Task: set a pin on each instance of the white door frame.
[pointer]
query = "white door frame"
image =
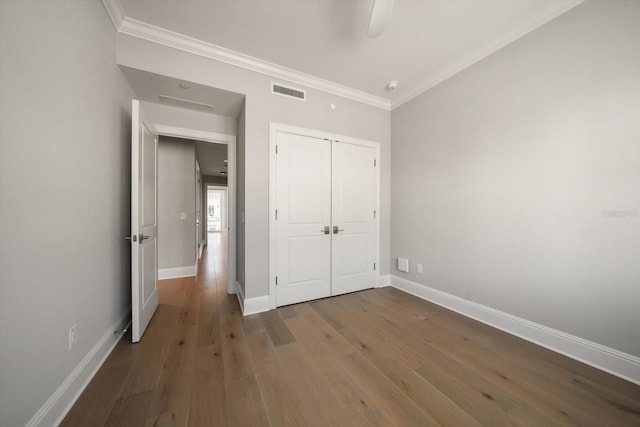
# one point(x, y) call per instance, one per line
point(230, 141)
point(199, 241)
point(274, 128)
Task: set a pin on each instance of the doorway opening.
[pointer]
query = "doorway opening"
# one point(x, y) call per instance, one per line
point(216, 164)
point(217, 212)
point(220, 124)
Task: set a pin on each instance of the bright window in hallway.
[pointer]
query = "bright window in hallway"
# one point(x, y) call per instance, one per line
point(216, 209)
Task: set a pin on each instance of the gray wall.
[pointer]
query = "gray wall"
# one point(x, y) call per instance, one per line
point(176, 194)
point(350, 118)
point(501, 174)
point(64, 194)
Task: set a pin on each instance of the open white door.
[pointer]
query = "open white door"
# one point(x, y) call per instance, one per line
point(144, 223)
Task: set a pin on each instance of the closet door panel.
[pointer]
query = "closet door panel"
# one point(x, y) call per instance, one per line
point(353, 205)
point(303, 200)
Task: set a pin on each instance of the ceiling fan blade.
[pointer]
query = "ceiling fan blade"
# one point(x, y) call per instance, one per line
point(380, 17)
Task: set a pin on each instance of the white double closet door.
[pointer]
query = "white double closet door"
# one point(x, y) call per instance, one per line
point(325, 220)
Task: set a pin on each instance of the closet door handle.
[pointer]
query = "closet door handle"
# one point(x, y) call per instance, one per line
point(336, 229)
point(326, 230)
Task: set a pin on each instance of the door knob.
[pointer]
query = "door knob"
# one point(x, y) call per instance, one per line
point(336, 229)
point(326, 230)
point(133, 238)
point(143, 237)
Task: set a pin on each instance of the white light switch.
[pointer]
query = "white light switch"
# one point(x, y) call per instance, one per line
point(419, 268)
point(183, 216)
point(403, 265)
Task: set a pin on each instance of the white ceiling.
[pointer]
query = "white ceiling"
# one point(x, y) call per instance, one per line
point(149, 86)
point(211, 158)
point(426, 41)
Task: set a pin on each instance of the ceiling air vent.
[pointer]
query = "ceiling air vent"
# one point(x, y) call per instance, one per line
point(185, 103)
point(289, 92)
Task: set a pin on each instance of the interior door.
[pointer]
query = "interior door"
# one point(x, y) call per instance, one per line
point(303, 219)
point(144, 224)
point(353, 214)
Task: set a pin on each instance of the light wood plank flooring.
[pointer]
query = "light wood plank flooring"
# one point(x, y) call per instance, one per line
point(377, 357)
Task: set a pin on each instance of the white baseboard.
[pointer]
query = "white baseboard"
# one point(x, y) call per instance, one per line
point(174, 273)
point(615, 362)
point(384, 280)
point(233, 288)
point(240, 295)
point(254, 305)
point(58, 405)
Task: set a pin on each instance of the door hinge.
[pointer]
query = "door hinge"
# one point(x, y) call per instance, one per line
point(374, 214)
point(374, 265)
point(276, 214)
point(276, 280)
point(374, 163)
point(276, 149)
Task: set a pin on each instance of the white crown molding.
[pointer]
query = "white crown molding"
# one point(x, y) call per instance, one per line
point(516, 31)
point(615, 362)
point(115, 12)
point(152, 33)
point(142, 30)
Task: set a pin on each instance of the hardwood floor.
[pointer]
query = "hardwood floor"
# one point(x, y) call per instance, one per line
point(377, 357)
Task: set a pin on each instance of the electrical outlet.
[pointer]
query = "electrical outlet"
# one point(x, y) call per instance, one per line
point(73, 336)
point(419, 268)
